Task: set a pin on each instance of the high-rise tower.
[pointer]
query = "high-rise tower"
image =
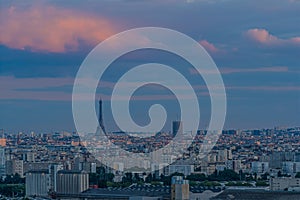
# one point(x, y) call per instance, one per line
point(100, 119)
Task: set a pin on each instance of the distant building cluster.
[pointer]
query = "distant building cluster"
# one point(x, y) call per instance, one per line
point(58, 163)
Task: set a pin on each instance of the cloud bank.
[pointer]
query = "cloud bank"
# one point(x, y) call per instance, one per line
point(51, 29)
point(229, 70)
point(209, 46)
point(264, 37)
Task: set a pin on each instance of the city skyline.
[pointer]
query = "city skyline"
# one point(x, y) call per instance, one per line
point(139, 99)
point(255, 48)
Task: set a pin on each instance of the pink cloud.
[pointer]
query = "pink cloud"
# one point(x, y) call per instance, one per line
point(260, 69)
point(263, 36)
point(245, 70)
point(265, 88)
point(51, 29)
point(295, 39)
point(209, 46)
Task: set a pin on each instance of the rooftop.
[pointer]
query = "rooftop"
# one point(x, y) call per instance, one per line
point(254, 194)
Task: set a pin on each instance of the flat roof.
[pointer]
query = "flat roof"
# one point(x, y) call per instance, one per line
point(71, 172)
point(256, 194)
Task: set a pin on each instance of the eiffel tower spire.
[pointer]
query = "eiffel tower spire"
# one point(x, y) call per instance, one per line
point(101, 125)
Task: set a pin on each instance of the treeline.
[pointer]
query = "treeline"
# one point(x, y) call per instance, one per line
point(12, 190)
point(13, 179)
point(12, 186)
point(103, 179)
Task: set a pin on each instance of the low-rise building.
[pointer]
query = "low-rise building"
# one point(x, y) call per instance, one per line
point(185, 169)
point(179, 188)
point(284, 183)
point(259, 167)
point(14, 167)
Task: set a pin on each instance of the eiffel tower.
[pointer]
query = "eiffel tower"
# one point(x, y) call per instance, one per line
point(100, 128)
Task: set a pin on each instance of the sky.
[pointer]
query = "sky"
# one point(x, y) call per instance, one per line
point(255, 44)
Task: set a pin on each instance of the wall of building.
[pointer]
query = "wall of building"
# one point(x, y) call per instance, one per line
point(72, 183)
point(284, 183)
point(37, 184)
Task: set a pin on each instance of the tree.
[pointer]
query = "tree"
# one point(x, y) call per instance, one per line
point(127, 178)
point(261, 183)
point(297, 175)
point(229, 175)
point(149, 178)
point(265, 176)
point(14, 179)
point(226, 175)
point(196, 177)
point(238, 183)
point(136, 178)
point(100, 170)
point(93, 178)
point(177, 174)
point(167, 179)
point(109, 177)
point(101, 178)
point(255, 176)
point(12, 190)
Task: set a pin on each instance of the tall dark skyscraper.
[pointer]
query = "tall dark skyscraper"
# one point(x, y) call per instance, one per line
point(100, 119)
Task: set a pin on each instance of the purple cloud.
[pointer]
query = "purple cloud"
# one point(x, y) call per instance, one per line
point(264, 37)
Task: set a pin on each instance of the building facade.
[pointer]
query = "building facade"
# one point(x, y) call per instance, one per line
point(15, 167)
point(72, 182)
point(184, 169)
point(259, 167)
point(37, 183)
point(285, 184)
point(180, 188)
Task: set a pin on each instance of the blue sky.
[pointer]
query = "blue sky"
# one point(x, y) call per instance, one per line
point(255, 44)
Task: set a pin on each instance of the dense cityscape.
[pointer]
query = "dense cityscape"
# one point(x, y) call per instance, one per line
point(265, 160)
point(150, 100)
